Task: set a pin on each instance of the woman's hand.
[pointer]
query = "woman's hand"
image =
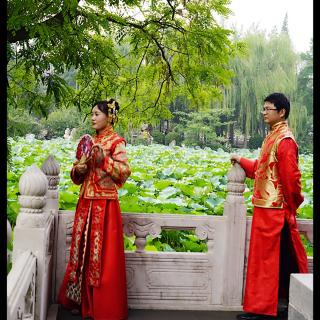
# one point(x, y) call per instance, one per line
point(235, 158)
point(97, 155)
point(81, 168)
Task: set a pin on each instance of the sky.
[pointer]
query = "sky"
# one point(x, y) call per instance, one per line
point(268, 14)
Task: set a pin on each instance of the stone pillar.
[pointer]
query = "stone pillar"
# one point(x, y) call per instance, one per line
point(235, 212)
point(34, 232)
point(51, 169)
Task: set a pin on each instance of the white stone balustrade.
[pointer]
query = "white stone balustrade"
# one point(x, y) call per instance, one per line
point(21, 286)
point(155, 280)
point(34, 232)
point(51, 169)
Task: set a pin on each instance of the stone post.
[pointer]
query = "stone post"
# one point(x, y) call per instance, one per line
point(235, 212)
point(34, 232)
point(51, 169)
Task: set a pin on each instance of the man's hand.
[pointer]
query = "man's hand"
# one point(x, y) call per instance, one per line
point(81, 168)
point(235, 158)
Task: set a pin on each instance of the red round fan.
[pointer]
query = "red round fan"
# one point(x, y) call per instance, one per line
point(84, 147)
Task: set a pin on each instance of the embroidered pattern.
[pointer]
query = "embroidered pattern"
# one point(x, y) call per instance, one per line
point(267, 187)
point(99, 185)
point(73, 290)
point(103, 181)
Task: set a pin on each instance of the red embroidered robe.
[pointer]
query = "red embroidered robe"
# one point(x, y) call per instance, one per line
point(275, 248)
point(97, 231)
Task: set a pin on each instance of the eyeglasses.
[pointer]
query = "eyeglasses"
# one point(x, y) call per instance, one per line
point(267, 109)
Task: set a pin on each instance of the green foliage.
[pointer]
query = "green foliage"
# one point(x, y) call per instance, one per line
point(147, 59)
point(9, 267)
point(9, 154)
point(177, 136)
point(158, 137)
point(270, 65)
point(205, 128)
point(307, 245)
point(305, 80)
point(20, 123)
point(178, 241)
point(58, 121)
point(255, 142)
point(163, 180)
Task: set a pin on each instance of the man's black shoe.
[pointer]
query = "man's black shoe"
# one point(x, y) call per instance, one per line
point(283, 314)
point(254, 316)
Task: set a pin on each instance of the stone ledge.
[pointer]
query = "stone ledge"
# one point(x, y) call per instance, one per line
point(301, 297)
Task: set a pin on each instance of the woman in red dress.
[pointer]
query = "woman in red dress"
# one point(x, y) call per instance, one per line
point(95, 279)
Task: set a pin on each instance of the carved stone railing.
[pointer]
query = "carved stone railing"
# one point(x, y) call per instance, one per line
point(51, 169)
point(34, 232)
point(181, 280)
point(212, 280)
point(21, 287)
point(143, 225)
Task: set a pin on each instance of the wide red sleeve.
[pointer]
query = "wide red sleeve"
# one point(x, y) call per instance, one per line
point(249, 166)
point(116, 165)
point(289, 173)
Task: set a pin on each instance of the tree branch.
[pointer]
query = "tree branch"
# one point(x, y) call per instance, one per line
point(158, 98)
point(23, 33)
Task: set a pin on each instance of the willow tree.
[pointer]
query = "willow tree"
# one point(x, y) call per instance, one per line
point(142, 52)
point(301, 117)
point(269, 66)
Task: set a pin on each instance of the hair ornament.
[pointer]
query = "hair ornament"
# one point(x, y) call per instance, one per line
point(112, 109)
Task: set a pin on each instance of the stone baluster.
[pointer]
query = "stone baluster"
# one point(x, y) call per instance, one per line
point(141, 231)
point(235, 212)
point(34, 232)
point(51, 169)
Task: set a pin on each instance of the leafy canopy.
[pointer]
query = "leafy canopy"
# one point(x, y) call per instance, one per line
point(143, 53)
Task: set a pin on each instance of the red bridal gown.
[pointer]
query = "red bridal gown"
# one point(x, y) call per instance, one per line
point(275, 248)
point(95, 279)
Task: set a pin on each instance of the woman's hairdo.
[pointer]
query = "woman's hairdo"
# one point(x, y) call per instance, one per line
point(109, 107)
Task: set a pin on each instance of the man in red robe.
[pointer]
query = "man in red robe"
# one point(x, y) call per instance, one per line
point(275, 248)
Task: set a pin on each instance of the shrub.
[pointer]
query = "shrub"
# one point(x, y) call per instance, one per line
point(255, 142)
point(173, 136)
point(158, 137)
point(58, 121)
point(21, 123)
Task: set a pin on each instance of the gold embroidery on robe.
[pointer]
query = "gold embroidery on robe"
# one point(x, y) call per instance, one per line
point(267, 186)
point(73, 290)
point(100, 183)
